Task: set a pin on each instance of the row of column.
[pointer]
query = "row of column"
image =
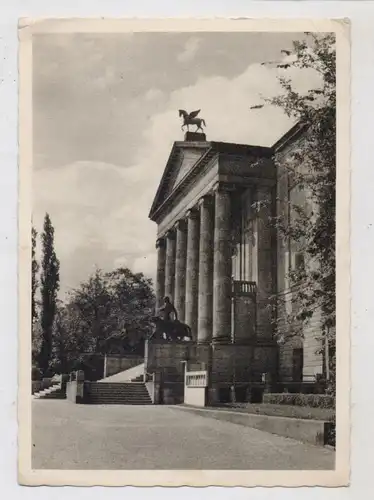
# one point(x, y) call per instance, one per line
point(194, 267)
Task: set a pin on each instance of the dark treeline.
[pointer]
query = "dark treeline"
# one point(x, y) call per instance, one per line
point(109, 312)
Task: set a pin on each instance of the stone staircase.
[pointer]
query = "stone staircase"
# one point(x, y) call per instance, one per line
point(53, 392)
point(120, 393)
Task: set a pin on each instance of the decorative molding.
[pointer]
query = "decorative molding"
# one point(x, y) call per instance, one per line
point(206, 160)
point(160, 242)
point(206, 200)
point(181, 225)
point(223, 187)
point(170, 234)
point(193, 213)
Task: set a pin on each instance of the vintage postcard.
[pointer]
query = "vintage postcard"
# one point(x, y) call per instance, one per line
point(184, 252)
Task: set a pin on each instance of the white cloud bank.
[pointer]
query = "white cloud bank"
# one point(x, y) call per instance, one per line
point(100, 211)
point(190, 50)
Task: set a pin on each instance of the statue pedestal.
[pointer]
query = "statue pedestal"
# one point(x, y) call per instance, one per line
point(194, 137)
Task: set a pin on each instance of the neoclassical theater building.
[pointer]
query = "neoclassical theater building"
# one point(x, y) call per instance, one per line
point(221, 261)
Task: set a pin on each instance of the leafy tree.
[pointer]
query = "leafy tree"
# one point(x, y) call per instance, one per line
point(36, 341)
point(111, 307)
point(133, 302)
point(49, 280)
point(312, 170)
point(92, 303)
point(34, 274)
point(63, 342)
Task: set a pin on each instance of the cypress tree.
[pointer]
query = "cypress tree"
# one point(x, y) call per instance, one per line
point(34, 272)
point(50, 279)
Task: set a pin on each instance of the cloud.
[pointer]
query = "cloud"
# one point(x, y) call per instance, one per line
point(190, 50)
point(100, 210)
point(93, 207)
point(153, 95)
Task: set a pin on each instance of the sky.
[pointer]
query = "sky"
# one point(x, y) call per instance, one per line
point(105, 116)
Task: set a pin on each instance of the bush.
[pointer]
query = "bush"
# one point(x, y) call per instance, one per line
point(35, 374)
point(312, 400)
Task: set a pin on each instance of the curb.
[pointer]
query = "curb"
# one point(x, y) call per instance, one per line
point(307, 431)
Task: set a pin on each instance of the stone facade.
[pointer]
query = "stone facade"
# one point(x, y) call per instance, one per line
point(300, 358)
point(221, 261)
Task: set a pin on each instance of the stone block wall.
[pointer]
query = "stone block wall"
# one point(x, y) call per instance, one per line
point(247, 361)
point(230, 358)
point(313, 357)
point(195, 396)
point(162, 356)
point(115, 364)
point(265, 360)
point(71, 391)
point(309, 338)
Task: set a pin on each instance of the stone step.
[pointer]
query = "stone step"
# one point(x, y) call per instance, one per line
point(97, 398)
point(118, 393)
point(55, 395)
point(54, 392)
point(118, 396)
point(112, 402)
point(132, 393)
point(124, 398)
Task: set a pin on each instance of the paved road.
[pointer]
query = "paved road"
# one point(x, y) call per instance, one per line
point(68, 436)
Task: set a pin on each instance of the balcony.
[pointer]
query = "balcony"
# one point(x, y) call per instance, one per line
point(244, 288)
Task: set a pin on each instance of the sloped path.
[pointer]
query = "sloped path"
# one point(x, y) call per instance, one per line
point(126, 375)
point(69, 436)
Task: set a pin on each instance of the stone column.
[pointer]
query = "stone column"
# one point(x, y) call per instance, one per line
point(180, 269)
point(222, 265)
point(205, 302)
point(170, 265)
point(160, 277)
point(192, 270)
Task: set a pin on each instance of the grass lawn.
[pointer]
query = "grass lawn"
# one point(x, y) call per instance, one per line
point(291, 411)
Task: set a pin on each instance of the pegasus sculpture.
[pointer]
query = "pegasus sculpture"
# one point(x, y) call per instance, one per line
point(191, 119)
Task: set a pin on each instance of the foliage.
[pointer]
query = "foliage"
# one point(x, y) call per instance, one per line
point(63, 340)
point(35, 374)
point(92, 311)
point(49, 281)
point(110, 312)
point(311, 166)
point(34, 273)
point(36, 341)
point(283, 410)
point(312, 400)
point(133, 303)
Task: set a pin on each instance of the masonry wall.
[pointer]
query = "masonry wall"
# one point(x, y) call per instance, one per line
point(162, 356)
point(244, 362)
point(195, 396)
point(116, 364)
point(309, 339)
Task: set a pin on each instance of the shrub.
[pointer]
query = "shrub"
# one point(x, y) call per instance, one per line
point(331, 433)
point(35, 374)
point(312, 400)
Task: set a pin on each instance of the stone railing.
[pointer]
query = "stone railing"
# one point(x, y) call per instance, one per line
point(240, 287)
point(197, 379)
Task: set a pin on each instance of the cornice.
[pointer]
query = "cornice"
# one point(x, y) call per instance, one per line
point(197, 169)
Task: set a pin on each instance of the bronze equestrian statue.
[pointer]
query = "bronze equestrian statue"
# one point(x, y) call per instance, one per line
point(165, 326)
point(191, 119)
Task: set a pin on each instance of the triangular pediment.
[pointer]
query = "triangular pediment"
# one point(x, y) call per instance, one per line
point(182, 160)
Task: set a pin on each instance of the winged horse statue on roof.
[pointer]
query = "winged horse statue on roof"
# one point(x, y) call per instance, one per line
point(191, 119)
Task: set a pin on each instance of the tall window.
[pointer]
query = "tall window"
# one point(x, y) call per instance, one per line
point(243, 237)
point(297, 364)
point(296, 198)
